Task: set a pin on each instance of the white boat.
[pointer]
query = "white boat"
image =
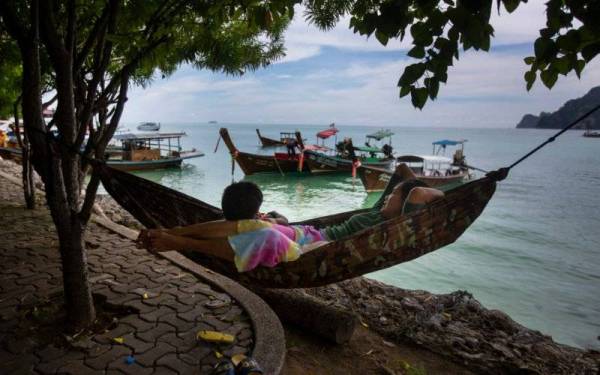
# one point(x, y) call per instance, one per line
point(149, 126)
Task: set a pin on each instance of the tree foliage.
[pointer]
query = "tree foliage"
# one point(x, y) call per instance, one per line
point(94, 50)
point(10, 75)
point(441, 29)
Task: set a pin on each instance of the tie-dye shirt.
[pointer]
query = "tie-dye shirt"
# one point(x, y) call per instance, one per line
point(262, 243)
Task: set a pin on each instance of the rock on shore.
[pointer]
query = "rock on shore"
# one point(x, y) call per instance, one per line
point(458, 326)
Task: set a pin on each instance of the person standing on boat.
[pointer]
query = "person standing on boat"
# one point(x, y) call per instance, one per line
point(291, 145)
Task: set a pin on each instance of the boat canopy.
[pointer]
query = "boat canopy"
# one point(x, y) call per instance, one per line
point(324, 134)
point(316, 148)
point(148, 136)
point(423, 159)
point(381, 134)
point(367, 149)
point(448, 142)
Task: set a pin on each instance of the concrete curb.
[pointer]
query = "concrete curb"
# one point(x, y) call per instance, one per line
point(269, 346)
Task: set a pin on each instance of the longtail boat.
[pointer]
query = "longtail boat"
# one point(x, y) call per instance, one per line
point(279, 162)
point(346, 157)
point(149, 151)
point(433, 170)
point(284, 138)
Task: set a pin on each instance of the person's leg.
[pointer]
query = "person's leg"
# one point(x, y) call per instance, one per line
point(402, 173)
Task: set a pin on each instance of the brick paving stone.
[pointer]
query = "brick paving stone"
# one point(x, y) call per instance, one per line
point(216, 323)
point(139, 306)
point(198, 353)
point(126, 297)
point(194, 315)
point(153, 334)
point(97, 350)
point(136, 345)
point(173, 320)
point(174, 340)
point(174, 363)
point(161, 370)
point(77, 368)
point(50, 353)
point(156, 313)
point(149, 358)
point(235, 350)
point(139, 325)
point(50, 367)
point(21, 365)
point(122, 367)
point(119, 331)
point(120, 274)
point(160, 298)
point(245, 334)
point(116, 352)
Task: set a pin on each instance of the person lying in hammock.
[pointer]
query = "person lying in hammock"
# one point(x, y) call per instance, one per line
point(250, 239)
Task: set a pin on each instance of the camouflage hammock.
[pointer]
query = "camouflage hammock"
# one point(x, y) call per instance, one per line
point(392, 242)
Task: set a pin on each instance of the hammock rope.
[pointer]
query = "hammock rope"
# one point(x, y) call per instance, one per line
point(553, 138)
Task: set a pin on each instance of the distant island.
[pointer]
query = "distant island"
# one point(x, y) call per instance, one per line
point(567, 113)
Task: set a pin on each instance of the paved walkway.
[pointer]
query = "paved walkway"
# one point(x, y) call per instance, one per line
point(166, 305)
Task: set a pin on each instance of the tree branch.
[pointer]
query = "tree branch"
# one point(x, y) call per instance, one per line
point(90, 197)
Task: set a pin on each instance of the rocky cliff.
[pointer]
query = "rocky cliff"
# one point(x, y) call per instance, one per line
point(567, 113)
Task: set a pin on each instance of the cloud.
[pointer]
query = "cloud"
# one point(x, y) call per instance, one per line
point(304, 40)
point(350, 85)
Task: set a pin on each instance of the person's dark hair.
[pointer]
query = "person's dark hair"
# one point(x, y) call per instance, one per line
point(408, 185)
point(241, 200)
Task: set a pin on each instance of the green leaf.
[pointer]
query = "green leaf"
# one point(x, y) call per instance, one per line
point(404, 90)
point(569, 42)
point(381, 37)
point(590, 51)
point(562, 65)
point(530, 77)
point(511, 5)
point(549, 77)
point(453, 34)
point(411, 74)
point(529, 60)
point(442, 77)
point(418, 97)
point(545, 49)
point(579, 65)
point(434, 88)
point(418, 52)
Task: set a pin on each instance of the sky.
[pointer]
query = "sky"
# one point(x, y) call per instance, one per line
point(342, 77)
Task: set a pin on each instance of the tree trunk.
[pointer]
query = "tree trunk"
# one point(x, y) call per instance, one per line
point(59, 167)
point(27, 172)
point(78, 296)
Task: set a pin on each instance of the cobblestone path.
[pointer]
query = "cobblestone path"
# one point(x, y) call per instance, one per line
point(167, 305)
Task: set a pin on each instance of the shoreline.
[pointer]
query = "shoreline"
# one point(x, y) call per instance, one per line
point(455, 325)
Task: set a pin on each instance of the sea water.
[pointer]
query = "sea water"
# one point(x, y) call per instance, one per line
point(534, 253)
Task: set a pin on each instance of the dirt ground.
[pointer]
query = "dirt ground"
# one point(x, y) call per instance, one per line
point(366, 353)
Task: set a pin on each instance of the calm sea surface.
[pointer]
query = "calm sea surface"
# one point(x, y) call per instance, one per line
point(533, 253)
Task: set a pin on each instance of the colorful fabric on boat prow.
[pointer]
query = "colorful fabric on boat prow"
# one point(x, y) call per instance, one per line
point(392, 242)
